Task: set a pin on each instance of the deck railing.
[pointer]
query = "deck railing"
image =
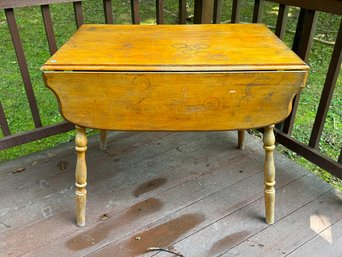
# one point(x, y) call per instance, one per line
point(205, 11)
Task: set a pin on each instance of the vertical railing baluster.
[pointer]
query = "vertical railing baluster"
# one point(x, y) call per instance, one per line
point(299, 29)
point(50, 35)
point(306, 35)
point(3, 122)
point(328, 90)
point(78, 13)
point(108, 11)
point(160, 11)
point(203, 12)
point(182, 12)
point(301, 45)
point(282, 20)
point(18, 47)
point(236, 11)
point(257, 11)
point(135, 11)
point(217, 11)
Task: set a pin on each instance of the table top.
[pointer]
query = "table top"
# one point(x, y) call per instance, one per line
point(205, 47)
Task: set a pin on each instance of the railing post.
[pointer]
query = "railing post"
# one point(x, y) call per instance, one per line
point(78, 13)
point(50, 35)
point(182, 12)
point(160, 11)
point(301, 46)
point(282, 20)
point(304, 33)
point(217, 11)
point(108, 11)
point(135, 11)
point(203, 11)
point(236, 11)
point(18, 47)
point(257, 12)
point(328, 90)
point(3, 122)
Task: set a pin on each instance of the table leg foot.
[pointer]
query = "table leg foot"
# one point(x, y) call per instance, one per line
point(241, 139)
point(103, 140)
point(81, 176)
point(269, 173)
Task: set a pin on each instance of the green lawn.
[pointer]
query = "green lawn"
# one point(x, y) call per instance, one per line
point(32, 32)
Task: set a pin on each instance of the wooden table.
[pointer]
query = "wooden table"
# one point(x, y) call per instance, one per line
point(174, 78)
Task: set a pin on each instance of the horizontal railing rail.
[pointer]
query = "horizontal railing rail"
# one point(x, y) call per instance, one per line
point(329, 6)
point(205, 11)
point(8, 4)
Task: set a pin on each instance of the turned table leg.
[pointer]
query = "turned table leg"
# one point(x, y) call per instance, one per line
point(81, 175)
point(269, 173)
point(103, 139)
point(241, 139)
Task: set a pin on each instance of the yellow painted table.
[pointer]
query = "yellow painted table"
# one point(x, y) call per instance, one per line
point(174, 78)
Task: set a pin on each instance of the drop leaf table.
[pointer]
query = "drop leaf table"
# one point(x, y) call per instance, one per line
point(208, 77)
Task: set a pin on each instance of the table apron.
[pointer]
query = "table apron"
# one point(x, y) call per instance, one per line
point(175, 101)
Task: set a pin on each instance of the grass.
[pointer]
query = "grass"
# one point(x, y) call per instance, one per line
point(31, 27)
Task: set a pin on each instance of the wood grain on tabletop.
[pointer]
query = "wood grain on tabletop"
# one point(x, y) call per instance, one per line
point(174, 47)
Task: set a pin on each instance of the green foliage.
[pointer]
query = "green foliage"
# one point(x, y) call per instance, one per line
point(35, 45)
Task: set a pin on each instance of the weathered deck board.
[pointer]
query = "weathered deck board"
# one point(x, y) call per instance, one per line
point(326, 243)
point(290, 232)
point(194, 191)
point(241, 225)
point(190, 146)
point(182, 195)
point(187, 190)
point(215, 208)
point(99, 176)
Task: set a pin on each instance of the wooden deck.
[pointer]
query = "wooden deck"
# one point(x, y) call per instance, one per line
point(193, 192)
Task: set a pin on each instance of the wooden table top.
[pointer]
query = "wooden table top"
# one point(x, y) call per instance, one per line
point(209, 47)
